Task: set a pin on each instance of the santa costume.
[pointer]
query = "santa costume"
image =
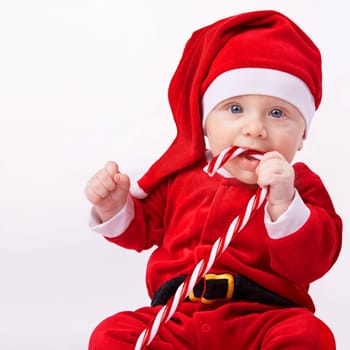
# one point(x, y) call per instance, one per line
point(182, 211)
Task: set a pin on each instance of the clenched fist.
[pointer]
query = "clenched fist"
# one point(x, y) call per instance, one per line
point(277, 174)
point(108, 190)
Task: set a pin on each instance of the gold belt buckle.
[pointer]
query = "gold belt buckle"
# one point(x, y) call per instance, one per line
point(212, 276)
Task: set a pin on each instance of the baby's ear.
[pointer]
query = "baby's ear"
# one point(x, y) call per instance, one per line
point(301, 145)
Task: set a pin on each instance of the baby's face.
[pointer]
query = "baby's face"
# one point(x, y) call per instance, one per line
point(255, 122)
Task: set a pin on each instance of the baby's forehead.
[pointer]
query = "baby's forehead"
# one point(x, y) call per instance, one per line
point(257, 100)
point(259, 81)
point(253, 98)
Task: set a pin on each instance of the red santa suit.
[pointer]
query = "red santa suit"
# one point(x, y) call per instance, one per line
point(184, 211)
point(189, 211)
point(184, 233)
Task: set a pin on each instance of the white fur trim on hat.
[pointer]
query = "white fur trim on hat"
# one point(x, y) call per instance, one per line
point(260, 81)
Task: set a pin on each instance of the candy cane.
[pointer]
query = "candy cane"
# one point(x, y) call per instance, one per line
point(204, 265)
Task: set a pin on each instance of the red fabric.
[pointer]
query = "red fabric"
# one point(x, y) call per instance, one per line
point(239, 326)
point(262, 39)
point(187, 213)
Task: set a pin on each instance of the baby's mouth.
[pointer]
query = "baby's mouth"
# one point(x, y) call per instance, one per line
point(251, 154)
point(227, 154)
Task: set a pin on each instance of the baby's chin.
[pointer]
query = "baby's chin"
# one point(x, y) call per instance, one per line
point(245, 176)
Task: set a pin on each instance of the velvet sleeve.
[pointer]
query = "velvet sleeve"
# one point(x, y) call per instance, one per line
point(307, 254)
point(147, 227)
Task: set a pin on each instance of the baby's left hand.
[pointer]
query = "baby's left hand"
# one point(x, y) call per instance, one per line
point(277, 174)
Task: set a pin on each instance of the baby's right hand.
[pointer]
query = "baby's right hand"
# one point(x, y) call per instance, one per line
point(108, 190)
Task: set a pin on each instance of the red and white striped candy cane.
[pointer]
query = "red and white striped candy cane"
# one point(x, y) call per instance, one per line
point(204, 265)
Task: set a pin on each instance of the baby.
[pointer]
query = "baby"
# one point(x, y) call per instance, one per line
point(251, 81)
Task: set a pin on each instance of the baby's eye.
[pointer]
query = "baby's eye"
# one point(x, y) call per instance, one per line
point(235, 109)
point(276, 113)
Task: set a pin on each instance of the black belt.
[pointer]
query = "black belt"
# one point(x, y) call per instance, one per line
point(221, 287)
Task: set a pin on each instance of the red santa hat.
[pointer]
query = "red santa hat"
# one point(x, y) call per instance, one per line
point(261, 52)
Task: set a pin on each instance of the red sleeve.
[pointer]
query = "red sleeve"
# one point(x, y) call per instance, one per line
point(147, 228)
point(310, 252)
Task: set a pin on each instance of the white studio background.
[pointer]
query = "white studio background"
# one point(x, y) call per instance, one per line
point(84, 81)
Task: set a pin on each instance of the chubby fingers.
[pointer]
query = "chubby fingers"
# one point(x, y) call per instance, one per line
point(102, 183)
point(122, 181)
point(271, 155)
point(105, 176)
point(274, 168)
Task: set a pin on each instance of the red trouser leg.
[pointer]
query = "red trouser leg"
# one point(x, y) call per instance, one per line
point(298, 329)
point(243, 326)
point(122, 330)
point(239, 326)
